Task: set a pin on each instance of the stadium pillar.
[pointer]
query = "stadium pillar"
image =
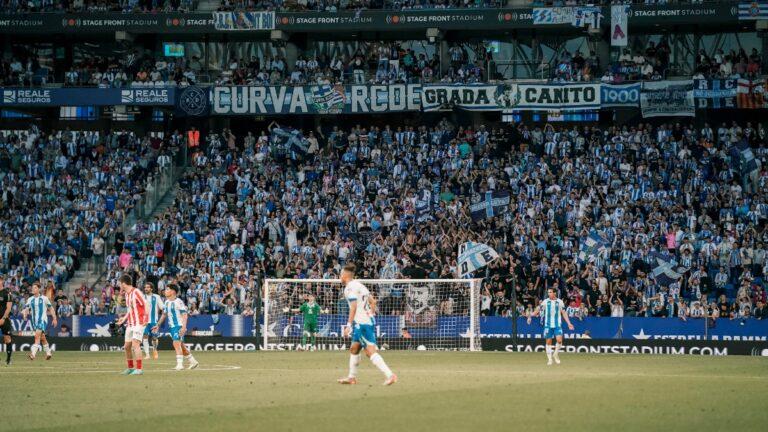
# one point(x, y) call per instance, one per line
point(291, 53)
point(445, 58)
point(763, 44)
point(602, 50)
point(205, 56)
point(514, 310)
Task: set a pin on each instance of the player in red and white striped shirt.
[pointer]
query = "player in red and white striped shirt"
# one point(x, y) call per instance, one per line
point(136, 319)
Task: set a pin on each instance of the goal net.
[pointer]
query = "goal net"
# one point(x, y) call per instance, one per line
point(430, 314)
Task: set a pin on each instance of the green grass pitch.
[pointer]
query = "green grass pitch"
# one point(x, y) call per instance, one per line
point(277, 391)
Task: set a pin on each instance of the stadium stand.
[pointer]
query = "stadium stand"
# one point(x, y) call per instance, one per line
point(299, 200)
point(305, 202)
point(251, 207)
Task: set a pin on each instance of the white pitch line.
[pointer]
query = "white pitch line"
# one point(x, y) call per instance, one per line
point(81, 362)
point(539, 374)
point(59, 371)
point(29, 367)
point(112, 363)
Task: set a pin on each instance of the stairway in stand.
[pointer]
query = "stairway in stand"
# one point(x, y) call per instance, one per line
point(87, 274)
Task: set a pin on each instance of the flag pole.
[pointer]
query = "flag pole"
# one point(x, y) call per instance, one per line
point(514, 312)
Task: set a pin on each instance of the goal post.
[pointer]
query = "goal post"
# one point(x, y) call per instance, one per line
point(419, 314)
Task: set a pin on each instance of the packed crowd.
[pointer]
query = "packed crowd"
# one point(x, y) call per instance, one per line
point(372, 63)
point(259, 206)
point(354, 5)
point(133, 70)
point(64, 195)
point(79, 6)
point(155, 6)
point(671, 190)
point(376, 63)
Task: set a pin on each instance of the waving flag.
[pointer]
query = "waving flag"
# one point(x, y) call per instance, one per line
point(291, 139)
point(553, 15)
point(473, 256)
point(743, 159)
point(423, 205)
point(591, 246)
point(587, 16)
point(488, 205)
point(665, 270)
point(390, 269)
point(750, 94)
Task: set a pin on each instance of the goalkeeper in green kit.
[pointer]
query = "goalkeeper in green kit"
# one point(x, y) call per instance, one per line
point(310, 310)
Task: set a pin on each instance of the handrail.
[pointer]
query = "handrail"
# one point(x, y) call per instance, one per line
point(489, 81)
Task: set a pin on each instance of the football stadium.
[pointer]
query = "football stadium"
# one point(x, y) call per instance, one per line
point(386, 215)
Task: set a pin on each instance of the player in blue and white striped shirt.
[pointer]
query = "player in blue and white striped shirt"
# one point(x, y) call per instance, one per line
point(553, 312)
point(37, 308)
point(154, 309)
point(175, 311)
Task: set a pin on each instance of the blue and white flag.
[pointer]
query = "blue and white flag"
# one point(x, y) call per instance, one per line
point(424, 205)
point(390, 269)
point(553, 15)
point(620, 95)
point(473, 256)
point(291, 139)
point(743, 159)
point(244, 21)
point(488, 205)
point(587, 16)
point(715, 93)
point(591, 247)
point(665, 270)
point(753, 11)
point(580, 16)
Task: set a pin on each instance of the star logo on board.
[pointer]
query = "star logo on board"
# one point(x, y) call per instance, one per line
point(641, 335)
point(100, 331)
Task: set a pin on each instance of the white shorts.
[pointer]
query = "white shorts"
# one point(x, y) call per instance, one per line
point(134, 333)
